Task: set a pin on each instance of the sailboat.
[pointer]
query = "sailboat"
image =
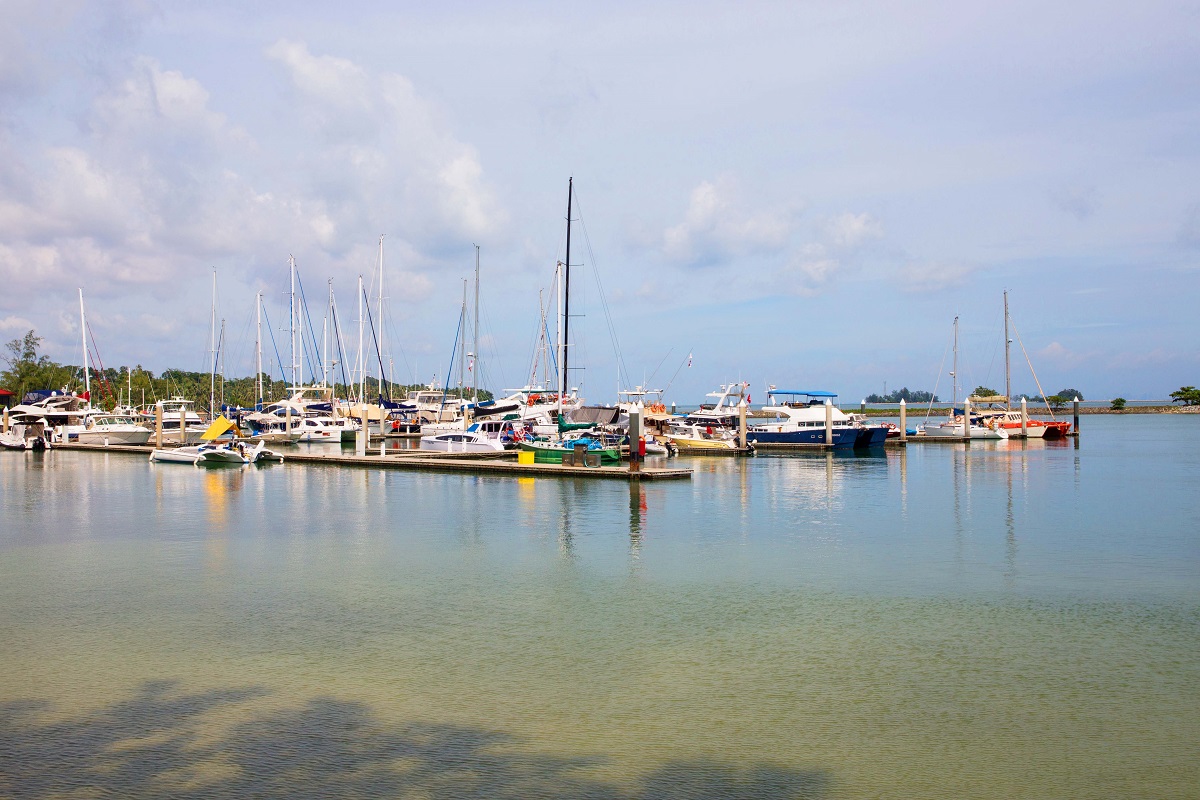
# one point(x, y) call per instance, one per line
point(1010, 420)
point(953, 428)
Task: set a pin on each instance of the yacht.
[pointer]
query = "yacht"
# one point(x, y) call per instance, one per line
point(112, 429)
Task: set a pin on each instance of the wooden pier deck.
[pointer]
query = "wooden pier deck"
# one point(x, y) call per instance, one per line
point(428, 461)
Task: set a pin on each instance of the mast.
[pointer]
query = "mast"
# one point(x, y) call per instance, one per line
point(325, 337)
point(212, 336)
point(558, 331)
point(1007, 372)
point(87, 379)
point(222, 351)
point(362, 361)
point(292, 315)
point(954, 372)
point(567, 294)
point(379, 316)
point(462, 338)
point(475, 346)
point(258, 351)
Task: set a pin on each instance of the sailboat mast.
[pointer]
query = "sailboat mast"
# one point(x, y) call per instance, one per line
point(379, 316)
point(292, 316)
point(558, 332)
point(222, 351)
point(362, 360)
point(212, 337)
point(567, 292)
point(954, 374)
point(87, 380)
point(258, 390)
point(462, 338)
point(325, 337)
point(475, 345)
point(1007, 368)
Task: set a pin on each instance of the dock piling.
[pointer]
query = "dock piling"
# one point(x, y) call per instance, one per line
point(1024, 419)
point(966, 418)
point(5, 420)
point(158, 426)
point(903, 420)
point(1075, 410)
point(828, 422)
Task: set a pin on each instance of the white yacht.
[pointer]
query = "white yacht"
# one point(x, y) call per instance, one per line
point(468, 441)
point(112, 429)
point(175, 412)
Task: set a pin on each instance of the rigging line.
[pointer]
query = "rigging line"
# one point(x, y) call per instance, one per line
point(450, 368)
point(937, 383)
point(275, 345)
point(660, 363)
point(612, 331)
point(337, 328)
point(378, 354)
point(681, 362)
point(311, 332)
point(1031, 369)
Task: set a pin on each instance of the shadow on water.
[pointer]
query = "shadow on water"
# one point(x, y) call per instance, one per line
point(153, 745)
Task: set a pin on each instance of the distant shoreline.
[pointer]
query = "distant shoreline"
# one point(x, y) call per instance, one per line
point(1034, 411)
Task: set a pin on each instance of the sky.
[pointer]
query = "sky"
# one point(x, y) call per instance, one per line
point(803, 194)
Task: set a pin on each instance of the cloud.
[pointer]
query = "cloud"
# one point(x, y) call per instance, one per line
point(15, 324)
point(716, 228)
point(849, 230)
point(807, 271)
point(930, 276)
point(1080, 202)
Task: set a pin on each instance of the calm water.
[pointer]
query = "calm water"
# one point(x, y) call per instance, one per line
point(1005, 621)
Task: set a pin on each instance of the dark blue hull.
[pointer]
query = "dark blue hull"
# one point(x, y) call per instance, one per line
point(871, 436)
point(842, 437)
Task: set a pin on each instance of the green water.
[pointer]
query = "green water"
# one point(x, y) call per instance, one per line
point(999, 621)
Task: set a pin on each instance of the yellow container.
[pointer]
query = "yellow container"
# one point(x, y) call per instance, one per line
point(525, 456)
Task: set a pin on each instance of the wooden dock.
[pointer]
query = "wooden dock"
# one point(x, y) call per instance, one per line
point(502, 463)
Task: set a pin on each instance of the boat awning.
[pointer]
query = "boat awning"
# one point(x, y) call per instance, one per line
point(219, 426)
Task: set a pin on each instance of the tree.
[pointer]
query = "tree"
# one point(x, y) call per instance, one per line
point(1057, 401)
point(984, 391)
point(1118, 404)
point(28, 370)
point(1188, 395)
point(1070, 394)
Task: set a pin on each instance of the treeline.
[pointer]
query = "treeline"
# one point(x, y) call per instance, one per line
point(904, 394)
point(28, 371)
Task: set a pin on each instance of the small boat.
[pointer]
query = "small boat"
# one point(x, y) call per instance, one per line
point(29, 435)
point(953, 429)
point(701, 436)
point(546, 452)
point(112, 429)
point(207, 454)
point(468, 441)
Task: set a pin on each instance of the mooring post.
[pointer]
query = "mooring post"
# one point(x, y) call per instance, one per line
point(361, 440)
point(828, 422)
point(158, 426)
point(1075, 408)
point(6, 419)
point(672, 408)
point(742, 443)
point(903, 421)
point(966, 419)
point(1024, 419)
point(182, 425)
point(635, 436)
point(862, 407)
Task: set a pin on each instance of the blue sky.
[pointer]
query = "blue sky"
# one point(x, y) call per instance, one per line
point(803, 194)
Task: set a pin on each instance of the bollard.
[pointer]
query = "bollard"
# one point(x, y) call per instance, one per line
point(158, 426)
point(742, 425)
point(1024, 419)
point(903, 421)
point(1075, 407)
point(828, 422)
point(862, 407)
point(672, 408)
point(182, 425)
point(966, 419)
point(363, 432)
point(635, 435)
point(287, 422)
point(5, 420)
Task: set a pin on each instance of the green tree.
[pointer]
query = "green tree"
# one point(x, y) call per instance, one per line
point(1070, 394)
point(1057, 401)
point(29, 370)
point(984, 391)
point(1188, 395)
point(1118, 404)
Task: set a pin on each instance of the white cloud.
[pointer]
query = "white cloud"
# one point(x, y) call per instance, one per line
point(932, 276)
point(15, 324)
point(849, 230)
point(716, 228)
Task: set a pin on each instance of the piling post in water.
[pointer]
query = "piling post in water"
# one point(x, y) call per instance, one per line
point(672, 408)
point(6, 420)
point(635, 436)
point(742, 424)
point(363, 432)
point(966, 418)
point(828, 422)
point(903, 421)
point(287, 422)
point(182, 425)
point(1075, 410)
point(1024, 419)
point(862, 407)
point(158, 426)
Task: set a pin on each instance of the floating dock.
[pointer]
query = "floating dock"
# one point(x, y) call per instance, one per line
point(501, 463)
